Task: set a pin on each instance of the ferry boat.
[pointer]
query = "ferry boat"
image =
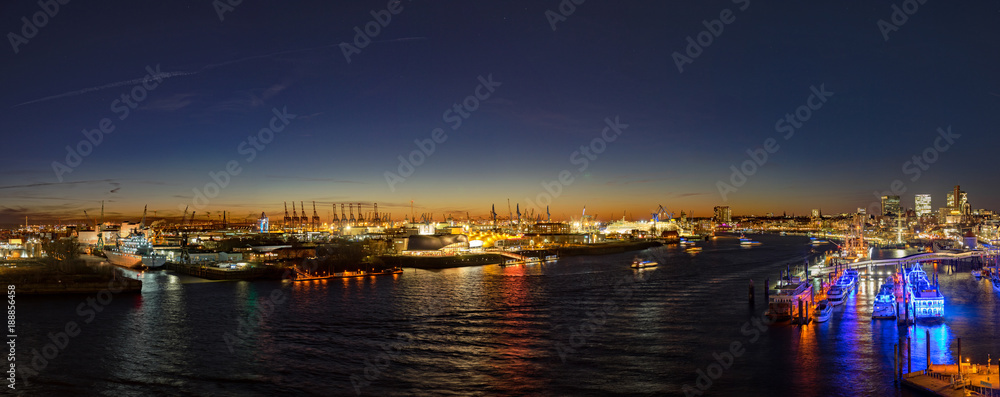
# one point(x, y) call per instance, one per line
point(551, 258)
point(784, 300)
point(744, 241)
point(824, 310)
point(640, 264)
point(134, 252)
point(927, 300)
point(816, 241)
point(995, 279)
point(885, 302)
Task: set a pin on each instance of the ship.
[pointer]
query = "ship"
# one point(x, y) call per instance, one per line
point(787, 297)
point(885, 302)
point(134, 252)
point(925, 297)
point(639, 264)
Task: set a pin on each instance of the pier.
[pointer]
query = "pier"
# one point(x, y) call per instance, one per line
point(985, 255)
point(962, 379)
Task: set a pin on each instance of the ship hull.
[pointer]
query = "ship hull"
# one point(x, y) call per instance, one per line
point(133, 261)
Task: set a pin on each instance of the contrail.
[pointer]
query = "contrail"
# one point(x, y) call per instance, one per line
point(109, 85)
point(206, 67)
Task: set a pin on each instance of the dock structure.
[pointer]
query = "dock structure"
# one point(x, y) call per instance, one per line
point(992, 254)
point(945, 380)
point(962, 379)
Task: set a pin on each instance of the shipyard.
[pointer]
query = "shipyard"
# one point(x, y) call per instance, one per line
point(898, 253)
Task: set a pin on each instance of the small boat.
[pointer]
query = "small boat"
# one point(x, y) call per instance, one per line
point(744, 241)
point(978, 274)
point(885, 302)
point(995, 279)
point(693, 249)
point(836, 295)
point(640, 264)
point(824, 310)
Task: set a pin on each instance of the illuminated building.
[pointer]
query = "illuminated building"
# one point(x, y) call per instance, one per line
point(262, 224)
point(890, 206)
point(963, 198)
point(922, 204)
point(723, 214)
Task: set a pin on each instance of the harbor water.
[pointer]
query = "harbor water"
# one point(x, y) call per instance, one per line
point(586, 325)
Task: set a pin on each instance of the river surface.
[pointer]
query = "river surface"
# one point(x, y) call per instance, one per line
point(587, 325)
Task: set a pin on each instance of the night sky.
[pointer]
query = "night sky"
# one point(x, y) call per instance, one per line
point(220, 82)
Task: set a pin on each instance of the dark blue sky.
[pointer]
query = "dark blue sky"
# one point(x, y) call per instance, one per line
point(556, 89)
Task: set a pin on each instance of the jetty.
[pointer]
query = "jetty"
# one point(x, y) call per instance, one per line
point(948, 380)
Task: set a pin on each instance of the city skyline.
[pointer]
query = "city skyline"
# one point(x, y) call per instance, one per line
point(520, 97)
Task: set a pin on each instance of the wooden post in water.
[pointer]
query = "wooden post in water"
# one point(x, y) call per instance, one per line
point(801, 315)
point(909, 356)
point(927, 338)
point(959, 357)
point(895, 362)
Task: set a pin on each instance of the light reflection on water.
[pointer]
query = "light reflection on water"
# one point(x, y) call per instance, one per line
point(493, 330)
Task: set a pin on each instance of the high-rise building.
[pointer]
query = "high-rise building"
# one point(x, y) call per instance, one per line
point(962, 198)
point(723, 214)
point(890, 206)
point(816, 213)
point(922, 204)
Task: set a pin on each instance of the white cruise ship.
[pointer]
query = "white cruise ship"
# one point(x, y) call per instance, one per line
point(134, 251)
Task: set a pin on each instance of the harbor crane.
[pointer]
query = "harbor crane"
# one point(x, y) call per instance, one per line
point(315, 218)
point(661, 213)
